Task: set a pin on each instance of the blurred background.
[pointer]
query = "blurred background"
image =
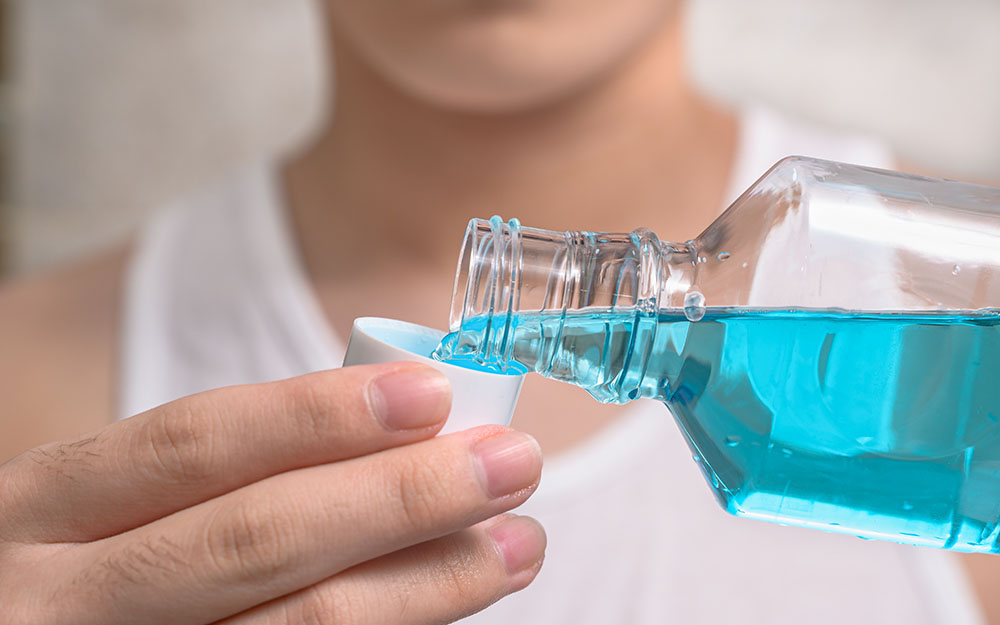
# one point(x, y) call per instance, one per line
point(110, 107)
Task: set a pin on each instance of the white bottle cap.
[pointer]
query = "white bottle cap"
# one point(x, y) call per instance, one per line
point(479, 397)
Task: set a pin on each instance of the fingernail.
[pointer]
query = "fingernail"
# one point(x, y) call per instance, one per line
point(520, 541)
point(411, 399)
point(509, 462)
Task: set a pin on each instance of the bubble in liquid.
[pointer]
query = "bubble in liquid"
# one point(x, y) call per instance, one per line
point(907, 506)
point(786, 453)
point(733, 441)
point(957, 269)
point(745, 265)
point(694, 306)
point(723, 256)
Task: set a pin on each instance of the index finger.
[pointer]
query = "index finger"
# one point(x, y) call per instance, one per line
point(197, 448)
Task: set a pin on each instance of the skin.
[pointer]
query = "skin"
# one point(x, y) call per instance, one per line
point(227, 513)
point(556, 161)
point(562, 114)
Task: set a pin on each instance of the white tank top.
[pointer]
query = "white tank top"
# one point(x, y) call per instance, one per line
point(216, 296)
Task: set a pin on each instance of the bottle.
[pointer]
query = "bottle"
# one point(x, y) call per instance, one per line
point(829, 346)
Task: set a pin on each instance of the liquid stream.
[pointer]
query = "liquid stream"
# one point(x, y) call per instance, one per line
point(883, 425)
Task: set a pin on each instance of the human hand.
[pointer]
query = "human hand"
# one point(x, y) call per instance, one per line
point(321, 499)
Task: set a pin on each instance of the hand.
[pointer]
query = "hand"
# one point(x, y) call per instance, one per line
point(321, 499)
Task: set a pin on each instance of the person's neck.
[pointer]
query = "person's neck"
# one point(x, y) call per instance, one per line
point(393, 181)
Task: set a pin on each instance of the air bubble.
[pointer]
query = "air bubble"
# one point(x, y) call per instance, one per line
point(723, 256)
point(957, 269)
point(787, 453)
point(733, 441)
point(745, 264)
point(694, 306)
point(907, 506)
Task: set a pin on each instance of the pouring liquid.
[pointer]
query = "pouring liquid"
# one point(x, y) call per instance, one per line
point(883, 425)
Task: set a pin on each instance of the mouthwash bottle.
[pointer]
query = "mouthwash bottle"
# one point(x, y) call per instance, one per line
point(830, 346)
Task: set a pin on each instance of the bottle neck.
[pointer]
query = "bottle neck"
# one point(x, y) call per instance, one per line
point(506, 269)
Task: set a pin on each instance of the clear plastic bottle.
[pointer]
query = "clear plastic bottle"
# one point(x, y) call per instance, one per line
point(830, 345)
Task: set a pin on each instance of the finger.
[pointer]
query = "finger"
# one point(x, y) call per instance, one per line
point(193, 449)
point(434, 582)
point(293, 530)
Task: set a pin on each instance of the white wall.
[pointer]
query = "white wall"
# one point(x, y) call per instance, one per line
point(119, 104)
point(923, 74)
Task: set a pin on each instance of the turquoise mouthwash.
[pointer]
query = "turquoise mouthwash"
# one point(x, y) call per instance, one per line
point(886, 424)
point(830, 345)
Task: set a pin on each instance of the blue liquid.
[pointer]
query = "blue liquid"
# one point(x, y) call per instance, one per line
point(882, 425)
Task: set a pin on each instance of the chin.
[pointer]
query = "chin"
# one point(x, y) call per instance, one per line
point(504, 56)
point(491, 90)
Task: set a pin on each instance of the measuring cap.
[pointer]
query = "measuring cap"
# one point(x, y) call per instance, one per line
point(479, 397)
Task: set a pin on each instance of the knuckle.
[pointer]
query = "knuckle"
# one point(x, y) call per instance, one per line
point(332, 603)
point(312, 405)
point(423, 489)
point(179, 449)
point(249, 541)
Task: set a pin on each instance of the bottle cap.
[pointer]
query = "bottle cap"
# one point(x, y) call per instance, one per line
point(479, 397)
